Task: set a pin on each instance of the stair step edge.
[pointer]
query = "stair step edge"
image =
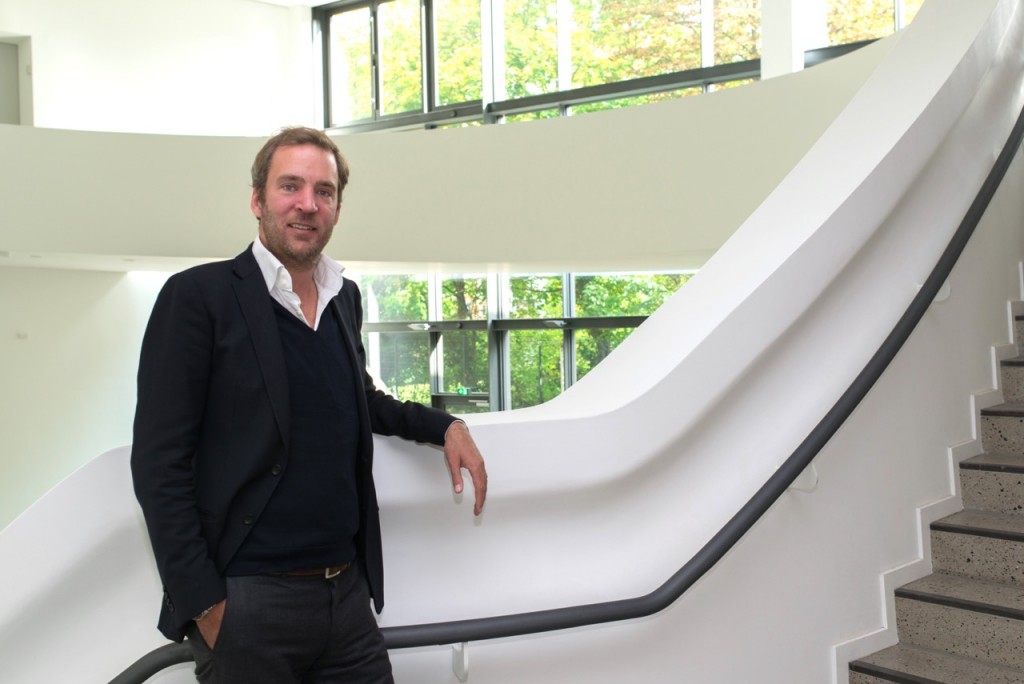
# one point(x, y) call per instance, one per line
point(994, 462)
point(920, 665)
point(1010, 409)
point(962, 604)
point(978, 523)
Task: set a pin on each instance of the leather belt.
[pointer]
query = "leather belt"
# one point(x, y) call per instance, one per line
point(326, 573)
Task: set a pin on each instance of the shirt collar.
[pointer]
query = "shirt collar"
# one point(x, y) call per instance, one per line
point(328, 273)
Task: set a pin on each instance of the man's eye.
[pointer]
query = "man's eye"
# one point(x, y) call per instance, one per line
point(325, 193)
point(290, 187)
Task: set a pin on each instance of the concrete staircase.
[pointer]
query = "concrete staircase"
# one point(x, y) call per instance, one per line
point(964, 624)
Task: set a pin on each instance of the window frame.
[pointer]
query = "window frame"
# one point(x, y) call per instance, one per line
point(488, 110)
point(498, 325)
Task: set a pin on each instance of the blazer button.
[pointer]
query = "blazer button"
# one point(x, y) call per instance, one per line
point(277, 469)
point(248, 520)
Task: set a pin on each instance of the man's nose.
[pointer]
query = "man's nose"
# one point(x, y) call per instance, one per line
point(307, 202)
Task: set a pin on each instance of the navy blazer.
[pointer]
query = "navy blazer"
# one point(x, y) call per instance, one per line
point(212, 423)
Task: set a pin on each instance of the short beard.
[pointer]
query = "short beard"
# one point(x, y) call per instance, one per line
point(288, 258)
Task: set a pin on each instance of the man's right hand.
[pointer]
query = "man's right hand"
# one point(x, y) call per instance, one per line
point(209, 624)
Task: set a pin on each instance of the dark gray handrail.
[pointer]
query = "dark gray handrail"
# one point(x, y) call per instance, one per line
point(482, 629)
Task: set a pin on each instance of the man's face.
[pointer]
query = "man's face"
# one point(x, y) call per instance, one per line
point(300, 205)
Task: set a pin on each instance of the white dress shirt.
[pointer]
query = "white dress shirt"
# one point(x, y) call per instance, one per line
point(327, 277)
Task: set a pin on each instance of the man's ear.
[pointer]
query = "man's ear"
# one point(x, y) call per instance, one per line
point(255, 205)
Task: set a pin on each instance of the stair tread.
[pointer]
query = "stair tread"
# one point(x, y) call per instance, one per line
point(973, 521)
point(1009, 408)
point(983, 595)
point(995, 461)
point(926, 666)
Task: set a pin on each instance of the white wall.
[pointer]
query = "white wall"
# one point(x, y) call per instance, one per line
point(189, 67)
point(67, 344)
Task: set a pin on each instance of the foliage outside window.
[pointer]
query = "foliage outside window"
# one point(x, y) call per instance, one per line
point(395, 63)
point(477, 343)
point(852, 20)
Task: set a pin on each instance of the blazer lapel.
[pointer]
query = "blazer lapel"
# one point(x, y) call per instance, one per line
point(254, 300)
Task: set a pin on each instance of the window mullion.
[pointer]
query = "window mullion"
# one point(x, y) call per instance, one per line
point(707, 33)
point(492, 45)
point(376, 76)
point(434, 313)
point(500, 375)
point(427, 55)
point(569, 333)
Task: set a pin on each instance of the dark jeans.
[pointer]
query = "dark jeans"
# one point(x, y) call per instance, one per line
point(295, 629)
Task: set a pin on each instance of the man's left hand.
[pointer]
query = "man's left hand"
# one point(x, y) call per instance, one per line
point(460, 452)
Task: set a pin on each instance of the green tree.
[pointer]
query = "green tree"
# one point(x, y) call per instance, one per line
point(853, 20)
point(459, 51)
point(465, 359)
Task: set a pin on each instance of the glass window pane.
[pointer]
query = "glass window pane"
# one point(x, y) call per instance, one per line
point(464, 299)
point(401, 79)
point(531, 47)
point(464, 368)
point(351, 79)
point(536, 296)
point(615, 40)
point(624, 295)
point(394, 298)
point(737, 30)
point(536, 366)
point(853, 20)
point(401, 361)
point(593, 345)
point(459, 50)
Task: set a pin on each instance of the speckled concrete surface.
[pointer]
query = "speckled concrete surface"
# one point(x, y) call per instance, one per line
point(1002, 433)
point(936, 666)
point(993, 638)
point(981, 557)
point(993, 490)
point(1012, 379)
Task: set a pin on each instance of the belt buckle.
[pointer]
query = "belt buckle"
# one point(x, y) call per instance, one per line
point(330, 575)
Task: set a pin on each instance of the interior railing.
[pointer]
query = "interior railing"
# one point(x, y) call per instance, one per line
point(480, 629)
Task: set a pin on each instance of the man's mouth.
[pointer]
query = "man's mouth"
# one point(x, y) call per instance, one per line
point(301, 226)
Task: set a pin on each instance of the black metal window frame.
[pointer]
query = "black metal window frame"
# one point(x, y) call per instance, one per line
point(498, 326)
point(486, 110)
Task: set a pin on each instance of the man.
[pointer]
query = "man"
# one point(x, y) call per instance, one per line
point(252, 452)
